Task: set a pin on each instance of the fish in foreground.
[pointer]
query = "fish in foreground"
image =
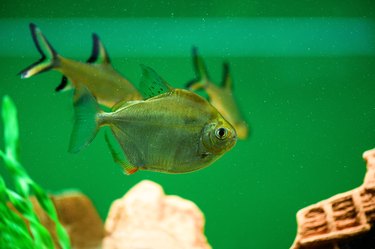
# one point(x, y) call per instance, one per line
point(97, 75)
point(220, 97)
point(172, 131)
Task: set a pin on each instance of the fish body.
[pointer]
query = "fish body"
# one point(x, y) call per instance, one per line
point(103, 81)
point(164, 138)
point(97, 75)
point(176, 131)
point(221, 97)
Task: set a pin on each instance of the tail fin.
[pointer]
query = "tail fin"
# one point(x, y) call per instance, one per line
point(85, 120)
point(49, 56)
point(201, 73)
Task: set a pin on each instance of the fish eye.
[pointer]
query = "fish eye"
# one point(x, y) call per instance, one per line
point(221, 133)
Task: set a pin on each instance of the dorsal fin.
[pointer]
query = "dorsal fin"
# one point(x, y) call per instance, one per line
point(201, 80)
point(227, 82)
point(199, 66)
point(99, 55)
point(152, 84)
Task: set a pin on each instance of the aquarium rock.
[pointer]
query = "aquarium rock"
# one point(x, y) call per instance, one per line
point(80, 218)
point(147, 218)
point(345, 220)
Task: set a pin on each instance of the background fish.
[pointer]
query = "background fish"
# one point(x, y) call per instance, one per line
point(220, 97)
point(153, 136)
point(97, 75)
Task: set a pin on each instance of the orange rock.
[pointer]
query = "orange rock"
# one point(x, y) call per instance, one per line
point(342, 217)
point(147, 218)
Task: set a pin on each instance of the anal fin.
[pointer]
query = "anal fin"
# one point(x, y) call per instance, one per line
point(126, 165)
point(64, 85)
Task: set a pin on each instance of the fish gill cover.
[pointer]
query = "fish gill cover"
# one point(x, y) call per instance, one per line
point(12, 226)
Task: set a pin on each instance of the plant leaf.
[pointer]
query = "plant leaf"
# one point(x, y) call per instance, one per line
point(11, 135)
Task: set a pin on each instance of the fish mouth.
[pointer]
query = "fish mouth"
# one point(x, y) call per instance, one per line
point(234, 139)
point(234, 136)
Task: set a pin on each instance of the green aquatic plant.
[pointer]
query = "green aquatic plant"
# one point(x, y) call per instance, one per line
point(14, 232)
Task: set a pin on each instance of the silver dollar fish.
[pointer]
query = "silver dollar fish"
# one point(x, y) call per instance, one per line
point(219, 96)
point(97, 75)
point(172, 131)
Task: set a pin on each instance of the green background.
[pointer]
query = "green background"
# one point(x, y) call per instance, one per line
point(311, 112)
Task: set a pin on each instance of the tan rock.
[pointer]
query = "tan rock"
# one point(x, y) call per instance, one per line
point(81, 220)
point(341, 217)
point(146, 218)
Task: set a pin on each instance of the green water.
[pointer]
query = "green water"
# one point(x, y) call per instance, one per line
point(311, 112)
